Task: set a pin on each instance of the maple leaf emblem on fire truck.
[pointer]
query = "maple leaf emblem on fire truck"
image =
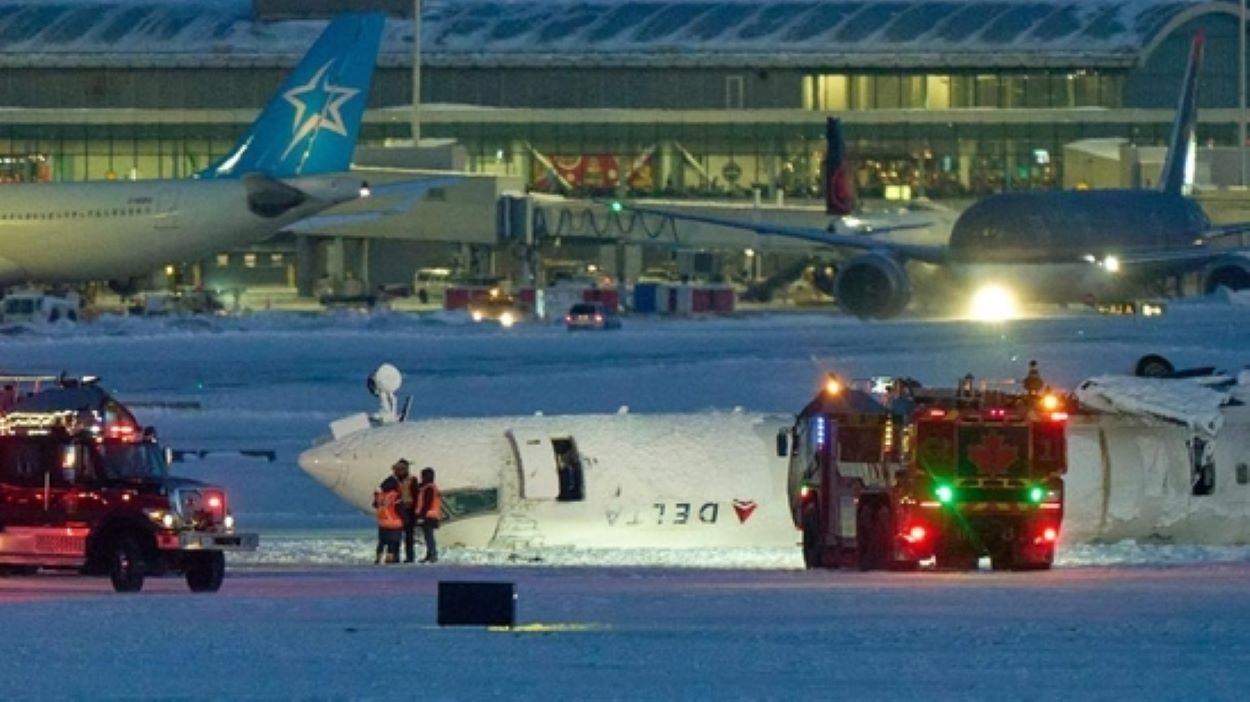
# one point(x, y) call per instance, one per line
point(993, 456)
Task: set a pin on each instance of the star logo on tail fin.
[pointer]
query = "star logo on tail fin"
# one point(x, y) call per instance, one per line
point(317, 105)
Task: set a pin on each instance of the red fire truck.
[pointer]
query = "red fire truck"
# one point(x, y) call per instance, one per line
point(888, 474)
point(84, 487)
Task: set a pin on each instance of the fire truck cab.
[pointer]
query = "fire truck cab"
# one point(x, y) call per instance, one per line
point(887, 474)
point(84, 487)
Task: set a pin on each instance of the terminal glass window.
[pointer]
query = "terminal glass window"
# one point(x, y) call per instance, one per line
point(843, 92)
point(937, 93)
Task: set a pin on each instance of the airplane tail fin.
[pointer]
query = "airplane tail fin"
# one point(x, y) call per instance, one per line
point(1180, 144)
point(836, 172)
point(310, 126)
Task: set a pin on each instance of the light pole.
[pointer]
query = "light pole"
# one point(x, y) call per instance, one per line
point(1241, 89)
point(416, 74)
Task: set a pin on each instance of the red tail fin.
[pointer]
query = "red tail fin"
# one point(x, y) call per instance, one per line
point(836, 172)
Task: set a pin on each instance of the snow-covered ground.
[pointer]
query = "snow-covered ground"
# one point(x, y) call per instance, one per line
point(275, 381)
point(305, 618)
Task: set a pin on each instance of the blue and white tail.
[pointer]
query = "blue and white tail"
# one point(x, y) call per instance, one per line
point(1180, 144)
point(310, 126)
point(836, 172)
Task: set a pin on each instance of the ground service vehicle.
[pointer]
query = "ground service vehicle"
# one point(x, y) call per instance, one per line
point(889, 475)
point(84, 487)
point(35, 307)
point(591, 315)
point(496, 306)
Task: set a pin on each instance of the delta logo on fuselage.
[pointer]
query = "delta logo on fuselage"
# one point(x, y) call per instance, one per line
point(327, 99)
point(680, 514)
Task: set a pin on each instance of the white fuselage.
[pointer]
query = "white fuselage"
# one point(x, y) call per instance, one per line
point(660, 481)
point(55, 232)
point(1132, 478)
point(712, 480)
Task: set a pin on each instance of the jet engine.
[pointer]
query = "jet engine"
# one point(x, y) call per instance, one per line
point(1232, 272)
point(873, 286)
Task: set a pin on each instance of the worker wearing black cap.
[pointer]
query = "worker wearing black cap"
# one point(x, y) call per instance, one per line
point(406, 486)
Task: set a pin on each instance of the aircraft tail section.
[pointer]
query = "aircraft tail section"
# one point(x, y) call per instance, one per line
point(311, 125)
point(836, 171)
point(1180, 144)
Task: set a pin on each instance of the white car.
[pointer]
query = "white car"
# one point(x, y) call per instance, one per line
point(591, 315)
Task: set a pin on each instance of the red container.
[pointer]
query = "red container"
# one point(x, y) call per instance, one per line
point(702, 301)
point(723, 300)
point(457, 298)
point(608, 296)
point(526, 296)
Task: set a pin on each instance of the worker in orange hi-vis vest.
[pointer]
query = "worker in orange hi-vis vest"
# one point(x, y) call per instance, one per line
point(429, 512)
point(390, 525)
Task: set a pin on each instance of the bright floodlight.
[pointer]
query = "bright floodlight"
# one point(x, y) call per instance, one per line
point(1112, 264)
point(993, 303)
point(833, 386)
point(506, 319)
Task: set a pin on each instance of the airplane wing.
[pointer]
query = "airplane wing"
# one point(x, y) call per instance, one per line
point(410, 192)
point(861, 242)
point(1195, 256)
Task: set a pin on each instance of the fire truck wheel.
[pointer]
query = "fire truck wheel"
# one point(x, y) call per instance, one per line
point(874, 528)
point(812, 552)
point(205, 571)
point(126, 566)
point(1030, 566)
point(19, 570)
point(955, 559)
point(1002, 561)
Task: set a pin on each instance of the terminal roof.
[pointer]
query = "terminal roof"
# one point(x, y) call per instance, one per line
point(749, 33)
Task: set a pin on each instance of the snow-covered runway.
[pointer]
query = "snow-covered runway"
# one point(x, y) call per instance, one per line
point(303, 619)
point(365, 632)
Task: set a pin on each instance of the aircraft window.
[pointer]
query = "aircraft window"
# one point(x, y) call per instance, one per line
point(569, 469)
point(1243, 474)
point(458, 504)
point(1201, 466)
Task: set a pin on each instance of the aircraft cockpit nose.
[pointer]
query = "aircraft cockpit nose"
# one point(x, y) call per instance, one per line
point(324, 465)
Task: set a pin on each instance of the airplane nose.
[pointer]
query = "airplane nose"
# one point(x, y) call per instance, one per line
point(324, 465)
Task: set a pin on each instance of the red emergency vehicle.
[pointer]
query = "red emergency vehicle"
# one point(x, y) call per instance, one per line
point(84, 487)
point(888, 474)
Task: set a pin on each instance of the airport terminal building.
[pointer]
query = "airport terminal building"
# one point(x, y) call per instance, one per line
point(682, 98)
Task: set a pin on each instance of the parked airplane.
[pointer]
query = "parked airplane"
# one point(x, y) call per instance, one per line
point(1148, 458)
point(1044, 246)
point(278, 173)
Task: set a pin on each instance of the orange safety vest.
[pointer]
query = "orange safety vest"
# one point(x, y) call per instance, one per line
point(431, 502)
point(388, 517)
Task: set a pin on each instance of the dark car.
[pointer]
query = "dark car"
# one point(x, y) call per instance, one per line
point(591, 315)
